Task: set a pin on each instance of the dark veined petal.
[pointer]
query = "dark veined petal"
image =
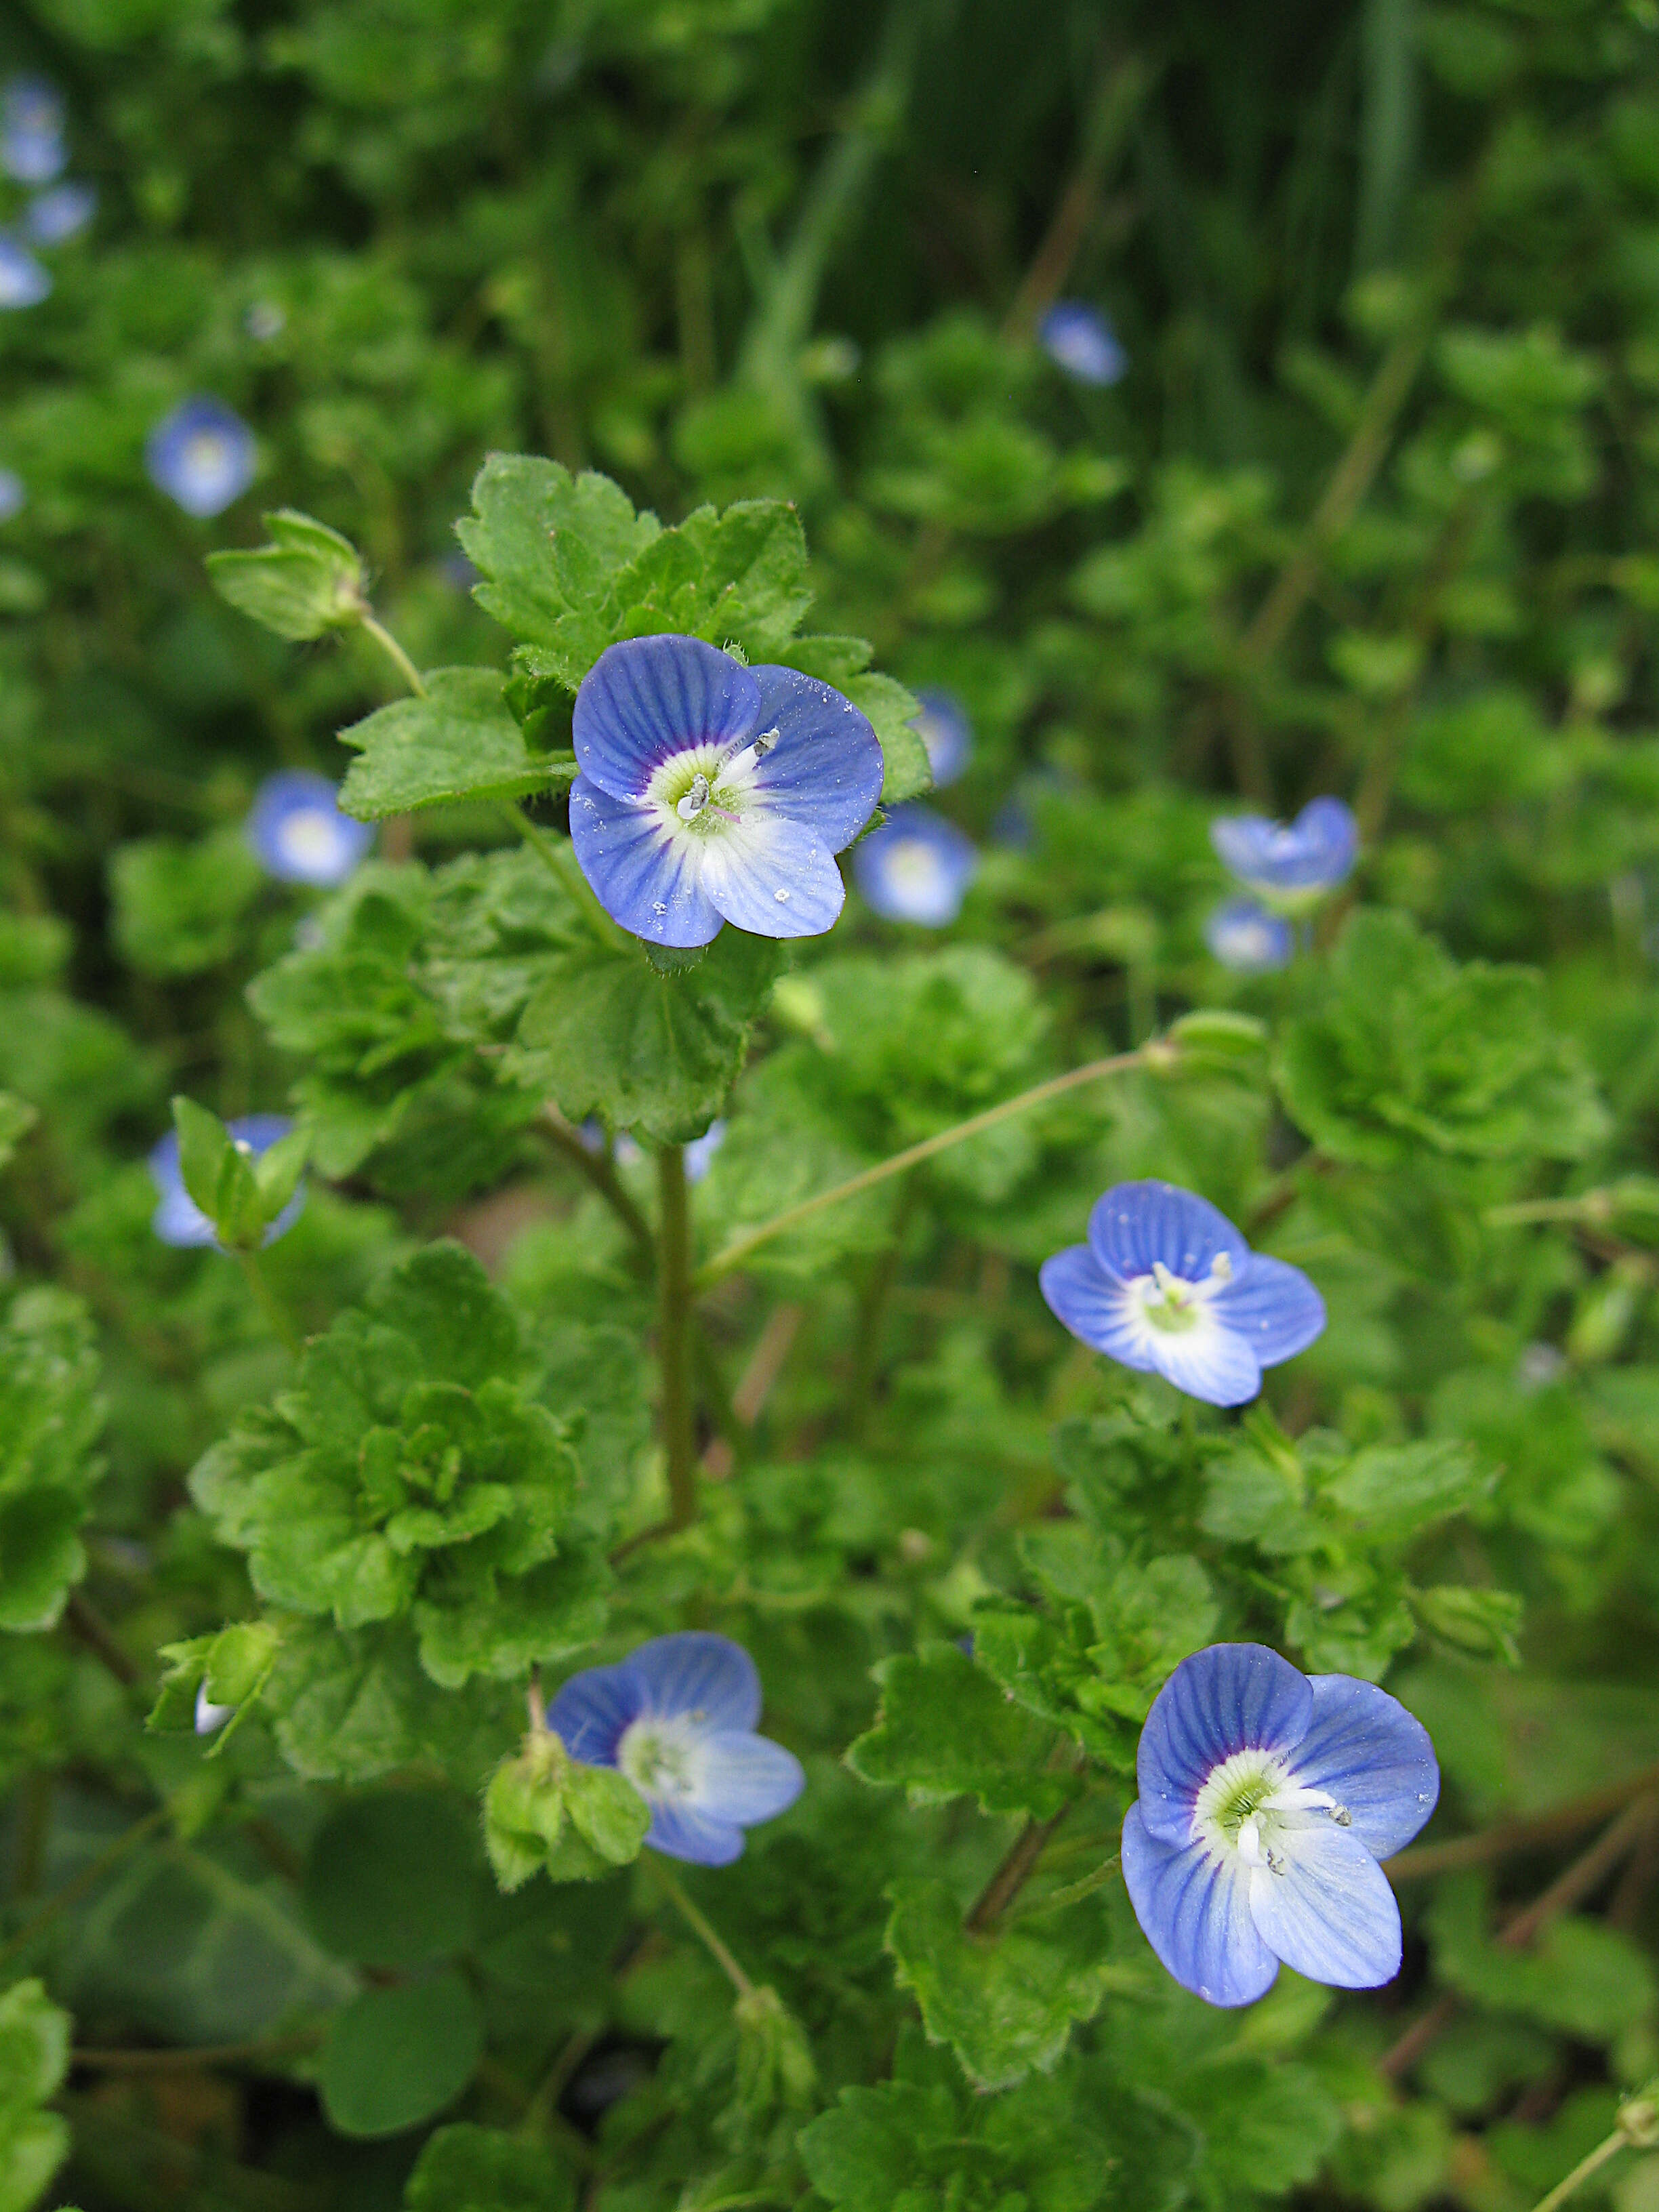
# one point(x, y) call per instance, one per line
point(742, 1777)
point(1232, 1697)
point(1208, 1362)
point(773, 876)
point(1274, 1307)
point(1372, 1756)
point(826, 767)
point(1093, 1306)
point(591, 1711)
point(1136, 1224)
point(679, 1833)
point(707, 1677)
point(1330, 1915)
point(1195, 1914)
point(644, 876)
point(651, 697)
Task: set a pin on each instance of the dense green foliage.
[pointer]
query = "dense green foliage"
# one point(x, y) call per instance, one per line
point(1369, 513)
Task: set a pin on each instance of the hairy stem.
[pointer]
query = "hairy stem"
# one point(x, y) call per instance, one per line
point(283, 1323)
point(670, 1885)
point(740, 1247)
point(89, 1626)
point(675, 1323)
point(1614, 2144)
point(1019, 1865)
point(600, 1170)
point(394, 653)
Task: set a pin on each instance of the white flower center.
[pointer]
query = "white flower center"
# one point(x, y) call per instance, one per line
point(1252, 1807)
point(706, 788)
point(1171, 1303)
point(659, 1757)
point(310, 840)
point(206, 453)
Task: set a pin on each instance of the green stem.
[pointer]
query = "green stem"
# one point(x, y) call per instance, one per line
point(282, 1321)
point(1581, 2173)
point(557, 858)
point(1018, 1867)
point(165, 2061)
point(669, 1884)
point(600, 1170)
point(675, 1321)
point(86, 1880)
point(740, 1247)
point(394, 653)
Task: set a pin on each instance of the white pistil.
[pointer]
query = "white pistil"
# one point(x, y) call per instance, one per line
point(694, 799)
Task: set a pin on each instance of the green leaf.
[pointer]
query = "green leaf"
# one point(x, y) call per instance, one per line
point(465, 2169)
point(892, 710)
point(946, 1729)
point(50, 1414)
point(1409, 1051)
point(607, 1034)
point(1005, 2004)
point(394, 2057)
point(232, 1667)
point(17, 1118)
point(1581, 1977)
point(1483, 1623)
point(180, 909)
point(458, 742)
point(207, 1157)
point(308, 580)
point(606, 1808)
point(34, 2045)
point(390, 1879)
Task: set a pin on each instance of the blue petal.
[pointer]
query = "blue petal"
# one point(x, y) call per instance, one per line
point(915, 868)
point(202, 455)
point(644, 701)
point(591, 1711)
point(1136, 1224)
point(947, 734)
point(772, 876)
point(706, 1676)
point(1092, 1306)
point(1195, 1914)
point(1082, 342)
point(826, 767)
point(1371, 1755)
point(642, 875)
point(1232, 1697)
point(24, 282)
point(1208, 1362)
point(1246, 938)
point(742, 1777)
point(1315, 853)
point(1272, 1307)
point(1330, 1915)
point(680, 1833)
point(336, 842)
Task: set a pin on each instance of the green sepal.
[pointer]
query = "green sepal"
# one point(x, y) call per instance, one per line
point(232, 1666)
point(308, 580)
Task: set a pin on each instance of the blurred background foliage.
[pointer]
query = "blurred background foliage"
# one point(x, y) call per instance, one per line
point(1371, 510)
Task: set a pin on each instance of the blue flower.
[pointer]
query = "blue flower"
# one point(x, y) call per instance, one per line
point(946, 732)
point(916, 867)
point(32, 146)
point(1166, 1284)
point(14, 495)
point(700, 1152)
point(1266, 1799)
point(53, 218)
point(1246, 938)
point(298, 832)
point(1081, 341)
point(677, 1718)
point(179, 1220)
point(1290, 865)
point(202, 455)
point(24, 282)
point(711, 793)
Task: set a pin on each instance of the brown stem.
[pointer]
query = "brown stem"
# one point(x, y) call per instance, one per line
point(601, 1170)
point(1011, 1876)
point(89, 1626)
point(161, 2061)
point(1554, 1826)
point(1123, 85)
point(674, 1330)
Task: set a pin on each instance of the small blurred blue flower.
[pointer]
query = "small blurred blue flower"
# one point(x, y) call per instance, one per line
point(1246, 938)
point(52, 218)
point(1167, 1286)
point(948, 735)
point(916, 867)
point(31, 147)
point(700, 1152)
point(178, 1219)
point(298, 832)
point(24, 282)
point(1290, 866)
point(14, 495)
point(202, 455)
point(1079, 339)
point(677, 1718)
point(711, 793)
point(1266, 1799)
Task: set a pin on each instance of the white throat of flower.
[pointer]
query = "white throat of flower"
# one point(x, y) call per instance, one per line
point(1251, 1810)
point(309, 839)
point(704, 788)
point(206, 455)
point(662, 1756)
point(1172, 1305)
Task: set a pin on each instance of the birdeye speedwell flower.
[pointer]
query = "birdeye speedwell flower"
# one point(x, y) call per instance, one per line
point(1292, 865)
point(711, 792)
point(1266, 1799)
point(24, 282)
point(1078, 339)
point(677, 1718)
point(178, 1219)
point(201, 455)
point(31, 147)
point(915, 868)
point(946, 734)
point(1246, 938)
point(298, 832)
point(1166, 1284)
